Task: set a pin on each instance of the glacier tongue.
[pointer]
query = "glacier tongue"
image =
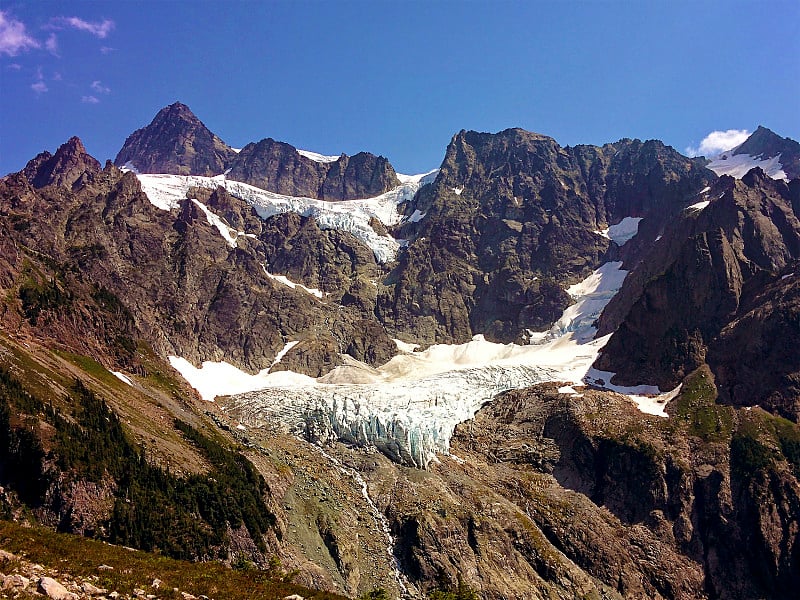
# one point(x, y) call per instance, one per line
point(409, 421)
point(409, 407)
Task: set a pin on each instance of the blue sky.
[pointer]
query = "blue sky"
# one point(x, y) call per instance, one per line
point(395, 78)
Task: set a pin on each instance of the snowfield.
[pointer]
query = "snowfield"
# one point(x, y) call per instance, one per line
point(737, 165)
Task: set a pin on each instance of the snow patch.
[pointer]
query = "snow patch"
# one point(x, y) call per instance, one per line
point(287, 282)
point(214, 379)
point(421, 178)
point(416, 217)
point(122, 377)
point(648, 398)
point(279, 356)
point(737, 165)
point(699, 205)
point(229, 234)
point(623, 231)
point(316, 157)
point(457, 191)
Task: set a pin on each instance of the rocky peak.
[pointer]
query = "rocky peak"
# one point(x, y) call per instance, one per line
point(766, 144)
point(64, 168)
point(176, 142)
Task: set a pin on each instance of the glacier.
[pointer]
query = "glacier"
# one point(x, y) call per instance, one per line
point(409, 407)
point(168, 191)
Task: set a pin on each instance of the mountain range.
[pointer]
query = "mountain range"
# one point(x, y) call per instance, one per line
point(534, 371)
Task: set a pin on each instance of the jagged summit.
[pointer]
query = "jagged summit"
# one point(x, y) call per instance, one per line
point(176, 142)
point(64, 168)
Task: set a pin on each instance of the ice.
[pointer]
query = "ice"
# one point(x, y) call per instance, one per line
point(622, 231)
point(737, 165)
point(699, 205)
point(168, 191)
point(316, 157)
point(409, 407)
point(122, 377)
point(287, 282)
point(648, 398)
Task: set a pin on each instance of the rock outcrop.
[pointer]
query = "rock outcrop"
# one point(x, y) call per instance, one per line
point(279, 167)
point(512, 219)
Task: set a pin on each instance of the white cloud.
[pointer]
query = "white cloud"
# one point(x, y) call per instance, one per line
point(98, 87)
point(90, 100)
point(52, 44)
point(13, 38)
point(718, 142)
point(99, 29)
point(106, 50)
point(40, 87)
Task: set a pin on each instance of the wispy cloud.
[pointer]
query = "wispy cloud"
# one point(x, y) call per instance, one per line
point(39, 86)
point(52, 44)
point(14, 67)
point(718, 142)
point(106, 50)
point(98, 87)
point(99, 29)
point(13, 37)
point(90, 100)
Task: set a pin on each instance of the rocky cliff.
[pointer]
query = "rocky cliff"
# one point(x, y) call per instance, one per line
point(279, 167)
point(721, 258)
point(512, 219)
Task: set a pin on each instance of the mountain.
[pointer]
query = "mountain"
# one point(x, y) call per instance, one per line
point(428, 389)
point(176, 141)
point(778, 157)
point(512, 219)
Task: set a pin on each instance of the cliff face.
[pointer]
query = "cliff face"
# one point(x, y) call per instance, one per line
point(279, 167)
point(707, 275)
point(513, 218)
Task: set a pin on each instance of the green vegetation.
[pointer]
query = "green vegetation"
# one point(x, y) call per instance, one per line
point(37, 297)
point(748, 455)
point(80, 557)
point(696, 407)
point(153, 509)
point(461, 592)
